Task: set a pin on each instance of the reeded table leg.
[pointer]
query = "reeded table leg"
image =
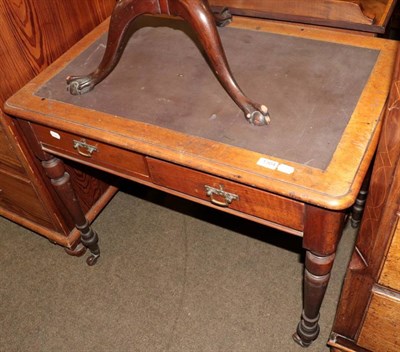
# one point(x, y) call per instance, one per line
point(60, 179)
point(322, 232)
point(198, 14)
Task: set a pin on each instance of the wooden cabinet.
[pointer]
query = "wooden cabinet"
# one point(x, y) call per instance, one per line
point(33, 34)
point(390, 276)
point(381, 324)
point(368, 315)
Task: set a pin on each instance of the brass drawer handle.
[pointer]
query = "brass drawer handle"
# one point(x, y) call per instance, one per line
point(228, 197)
point(79, 145)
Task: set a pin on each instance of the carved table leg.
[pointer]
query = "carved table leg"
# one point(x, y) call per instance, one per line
point(60, 180)
point(358, 207)
point(198, 14)
point(322, 232)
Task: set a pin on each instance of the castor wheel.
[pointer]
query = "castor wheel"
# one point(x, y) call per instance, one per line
point(92, 260)
point(307, 331)
point(78, 251)
point(300, 341)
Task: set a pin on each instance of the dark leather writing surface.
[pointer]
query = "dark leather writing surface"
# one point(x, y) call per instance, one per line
point(311, 88)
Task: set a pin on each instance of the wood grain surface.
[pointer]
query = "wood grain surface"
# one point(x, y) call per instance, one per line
point(390, 275)
point(35, 32)
point(380, 331)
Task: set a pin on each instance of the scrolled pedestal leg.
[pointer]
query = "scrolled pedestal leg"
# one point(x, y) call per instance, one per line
point(125, 12)
point(60, 180)
point(199, 15)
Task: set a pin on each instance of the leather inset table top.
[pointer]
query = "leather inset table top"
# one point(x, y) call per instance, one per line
point(311, 88)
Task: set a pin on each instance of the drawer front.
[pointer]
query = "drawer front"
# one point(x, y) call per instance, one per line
point(18, 196)
point(390, 275)
point(380, 331)
point(226, 193)
point(92, 152)
point(8, 158)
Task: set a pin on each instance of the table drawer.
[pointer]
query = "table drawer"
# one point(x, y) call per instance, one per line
point(227, 193)
point(94, 153)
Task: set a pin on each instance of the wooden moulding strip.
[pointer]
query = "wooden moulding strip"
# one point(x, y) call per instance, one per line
point(333, 10)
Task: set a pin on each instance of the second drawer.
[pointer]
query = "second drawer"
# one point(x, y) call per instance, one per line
point(225, 193)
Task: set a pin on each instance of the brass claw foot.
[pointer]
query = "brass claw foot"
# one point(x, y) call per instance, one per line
point(223, 18)
point(258, 117)
point(78, 85)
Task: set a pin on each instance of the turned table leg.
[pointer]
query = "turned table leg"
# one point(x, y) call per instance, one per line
point(322, 232)
point(60, 180)
point(198, 14)
point(359, 205)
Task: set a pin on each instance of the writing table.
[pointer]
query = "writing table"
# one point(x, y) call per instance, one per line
point(162, 119)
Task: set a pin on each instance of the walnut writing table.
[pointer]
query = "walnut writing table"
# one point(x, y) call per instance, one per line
point(162, 119)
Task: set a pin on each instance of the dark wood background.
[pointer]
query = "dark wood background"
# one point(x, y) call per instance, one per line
point(33, 33)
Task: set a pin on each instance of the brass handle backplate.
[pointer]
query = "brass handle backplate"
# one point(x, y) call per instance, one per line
point(84, 149)
point(227, 197)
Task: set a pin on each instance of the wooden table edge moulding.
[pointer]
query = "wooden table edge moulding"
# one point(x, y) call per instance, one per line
point(363, 15)
point(309, 202)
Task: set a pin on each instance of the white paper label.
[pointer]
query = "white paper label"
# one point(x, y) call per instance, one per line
point(269, 164)
point(285, 169)
point(55, 135)
point(274, 165)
